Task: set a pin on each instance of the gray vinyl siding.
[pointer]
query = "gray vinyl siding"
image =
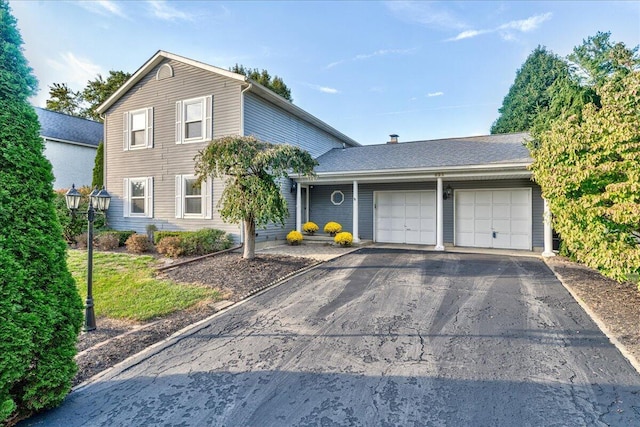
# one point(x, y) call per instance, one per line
point(321, 210)
point(167, 159)
point(273, 124)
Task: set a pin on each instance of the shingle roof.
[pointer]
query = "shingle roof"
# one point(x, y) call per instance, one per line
point(477, 150)
point(64, 127)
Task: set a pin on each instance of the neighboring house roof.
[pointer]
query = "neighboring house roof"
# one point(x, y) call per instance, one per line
point(65, 128)
point(251, 86)
point(478, 155)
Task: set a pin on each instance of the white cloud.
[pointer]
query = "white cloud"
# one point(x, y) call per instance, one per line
point(380, 52)
point(330, 90)
point(430, 14)
point(506, 30)
point(432, 94)
point(162, 10)
point(77, 70)
point(526, 25)
point(103, 7)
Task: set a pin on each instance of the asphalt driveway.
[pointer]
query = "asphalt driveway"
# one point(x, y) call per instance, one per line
point(381, 337)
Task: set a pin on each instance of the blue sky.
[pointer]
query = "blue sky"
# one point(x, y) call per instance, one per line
point(423, 70)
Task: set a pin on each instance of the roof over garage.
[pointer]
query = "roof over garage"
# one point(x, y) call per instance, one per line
point(479, 157)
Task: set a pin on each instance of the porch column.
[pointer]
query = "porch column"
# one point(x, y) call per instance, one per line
point(356, 239)
point(548, 232)
point(299, 208)
point(439, 217)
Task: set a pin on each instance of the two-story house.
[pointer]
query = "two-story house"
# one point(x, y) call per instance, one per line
point(168, 111)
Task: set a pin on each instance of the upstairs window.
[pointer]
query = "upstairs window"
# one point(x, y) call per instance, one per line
point(194, 120)
point(138, 129)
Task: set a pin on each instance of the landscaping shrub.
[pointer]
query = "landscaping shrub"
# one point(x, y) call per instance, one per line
point(40, 309)
point(310, 227)
point(170, 246)
point(332, 228)
point(106, 241)
point(122, 236)
point(138, 244)
point(344, 238)
point(81, 240)
point(294, 237)
point(201, 242)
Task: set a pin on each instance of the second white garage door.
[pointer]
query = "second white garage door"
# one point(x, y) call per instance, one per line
point(493, 218)
point(406, 217)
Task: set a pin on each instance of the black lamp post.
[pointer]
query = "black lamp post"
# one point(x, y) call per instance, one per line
point(101, 199)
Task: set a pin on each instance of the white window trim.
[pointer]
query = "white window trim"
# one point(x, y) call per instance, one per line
point(205, 194)
point(126, 129)
point(148, 197)
point(333, 197)
point(207, 122)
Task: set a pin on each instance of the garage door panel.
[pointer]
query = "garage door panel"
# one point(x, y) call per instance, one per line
point(405, 217)
point(493, 218)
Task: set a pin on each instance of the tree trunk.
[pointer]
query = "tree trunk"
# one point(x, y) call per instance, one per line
point(249, 239)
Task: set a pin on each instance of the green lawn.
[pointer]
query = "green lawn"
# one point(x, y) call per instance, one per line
point(124, 286)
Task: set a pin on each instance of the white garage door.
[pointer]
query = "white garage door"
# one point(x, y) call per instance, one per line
point(406, 217)
point(493, 218)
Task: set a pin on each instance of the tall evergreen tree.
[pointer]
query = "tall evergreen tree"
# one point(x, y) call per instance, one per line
point(98, 167)
point(40, 309)
point(531, 93)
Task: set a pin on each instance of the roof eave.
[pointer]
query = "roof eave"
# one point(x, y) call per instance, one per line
point(448, 172)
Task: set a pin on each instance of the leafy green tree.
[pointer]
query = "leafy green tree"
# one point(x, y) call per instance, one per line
point(251, 169)
point(263, 77)
point(84, 103)
point(63, 100)
point(40, 309)
point(98, 90)
point(589, 171)
point(598, 58)
point(542, 74)
point(98, 167)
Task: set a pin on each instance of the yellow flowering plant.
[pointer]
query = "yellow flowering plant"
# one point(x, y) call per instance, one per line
point(332, 228)
point(344, 238)
point(294, 237)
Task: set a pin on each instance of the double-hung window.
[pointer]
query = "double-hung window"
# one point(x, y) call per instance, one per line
point(138, 197)
point(193, 200)
point(138, 129)
point(194, 120)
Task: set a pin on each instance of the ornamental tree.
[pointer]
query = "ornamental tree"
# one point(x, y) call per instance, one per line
point(40, 309)
point(589, 171)
point(251, 170)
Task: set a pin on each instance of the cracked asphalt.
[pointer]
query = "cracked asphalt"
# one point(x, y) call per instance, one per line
point(380, 337)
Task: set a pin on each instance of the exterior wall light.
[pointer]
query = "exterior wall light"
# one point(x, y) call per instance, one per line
point(448, 192)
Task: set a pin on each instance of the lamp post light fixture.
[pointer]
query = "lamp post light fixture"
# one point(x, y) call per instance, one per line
point(101, 199)
point(448, 192)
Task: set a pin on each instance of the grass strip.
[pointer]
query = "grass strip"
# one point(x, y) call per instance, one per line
point(125, 287)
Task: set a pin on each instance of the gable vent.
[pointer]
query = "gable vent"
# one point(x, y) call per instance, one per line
point(164, 72)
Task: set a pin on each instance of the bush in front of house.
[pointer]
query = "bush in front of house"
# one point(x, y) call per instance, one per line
point(201, 242)
point(294, 237)
point(344, 238)
point(122, 236)
point(170, 246)
point(106, 242)
point(138, 243)
point(332, 228)
point(310, 227)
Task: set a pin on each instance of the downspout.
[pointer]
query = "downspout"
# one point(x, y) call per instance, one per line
point(242, 92)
